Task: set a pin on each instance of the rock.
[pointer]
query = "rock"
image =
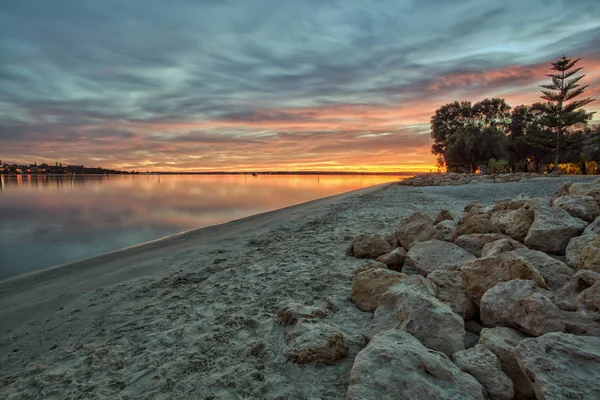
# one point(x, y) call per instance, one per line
point(443, 215)
point(582, 207)
point(314, 343)
point(449, 290)
point(426, 257)
point(579, 187)
point(509, 205)
point(444, 231)
point(394, 259)
point(415, 228)
point(473, 326)
point(289, 314)
point(369, 265)
point(395, 365)
point(563, 190)
point(552, 229)
point(573, 251)
point(482, 274)
point(513, 223)
point(561, 365)
point(411, 306)
point(500, 246)
point(593, 228)
point(470, 340)
point(555, 273)
point(520, 304)
point(581, 294)
point(473, 207)
point(475, 223)
point(502, 342)
point(369, 246)
point(369, 285)
point(480, 362)
point(473, 243)
point(590, 255)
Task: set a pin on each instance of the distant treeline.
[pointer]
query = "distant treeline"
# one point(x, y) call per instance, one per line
point(527, 138)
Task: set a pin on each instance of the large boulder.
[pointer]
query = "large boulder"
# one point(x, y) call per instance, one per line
point(475, 223)
point(315, 343)
point(416, 228)
point(369, 285)
point(502, 342)
point(411, 306)
point(444, 230)
point(522, 305)
point(593, 228)
point(552, 229)
point(369, 246)
point(583, 207)
point(443, 215)
point(429, 256)
point(482, 274)
point(579, 188)
point(480, 362)
point(474, 242)
point(509, 204)
point(555, 272)
point(450, 290)
point(513, 223)
point(574, 248)
point(581, 294)
point(590, 255)
point(561, 366)
point(500, 246)
point(395, 365)
point(394, 259)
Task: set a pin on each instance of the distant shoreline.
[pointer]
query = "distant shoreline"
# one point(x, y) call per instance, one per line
point(236, 173)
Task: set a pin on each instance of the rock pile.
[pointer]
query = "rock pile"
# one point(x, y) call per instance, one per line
point(455, 179)
point(500, 302)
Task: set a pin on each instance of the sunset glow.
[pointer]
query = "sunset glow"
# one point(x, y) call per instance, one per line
point(234, 87)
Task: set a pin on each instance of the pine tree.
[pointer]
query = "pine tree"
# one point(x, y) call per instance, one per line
point(562, 113)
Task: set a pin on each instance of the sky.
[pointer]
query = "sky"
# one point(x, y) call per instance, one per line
point(205, 85)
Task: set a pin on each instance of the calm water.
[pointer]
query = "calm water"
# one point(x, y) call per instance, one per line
point(47, 221)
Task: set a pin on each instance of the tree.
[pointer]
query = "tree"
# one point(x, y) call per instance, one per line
point(564, 88)
point(446, 120)
point(473, 127)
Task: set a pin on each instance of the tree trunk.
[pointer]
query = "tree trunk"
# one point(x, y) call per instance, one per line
point(556, 150)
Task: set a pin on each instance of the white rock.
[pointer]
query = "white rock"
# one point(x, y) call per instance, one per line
point(395, 365)
point(573, 251)
point(369, 285)
point(552, 229)
point(482, 274)
point(394, 259)
point(555, 272)
point(369, 246)
point(474, 242)
point(429, 256)
point(502, 342)
point(480, 362)
point(450, 290)
point(500, 246)
point(583, 207)
point(520, 304)
point(513, 223)
point(411, 306)
point(417, 227)
point(561, 365)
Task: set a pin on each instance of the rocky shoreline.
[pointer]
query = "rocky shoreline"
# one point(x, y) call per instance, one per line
point(499, 302)
point(456, 179)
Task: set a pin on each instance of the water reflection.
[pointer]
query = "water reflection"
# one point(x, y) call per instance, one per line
point(50, 220)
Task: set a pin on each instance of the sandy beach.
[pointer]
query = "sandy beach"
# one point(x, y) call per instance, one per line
point(194, 315)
